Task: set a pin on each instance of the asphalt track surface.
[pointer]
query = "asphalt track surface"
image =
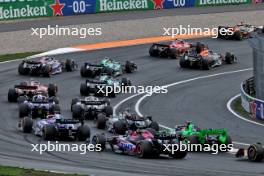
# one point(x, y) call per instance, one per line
point(117, 16)
point(202, 101)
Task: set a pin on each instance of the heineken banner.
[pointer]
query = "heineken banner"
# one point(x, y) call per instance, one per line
point(13, 9)
point(221, 2)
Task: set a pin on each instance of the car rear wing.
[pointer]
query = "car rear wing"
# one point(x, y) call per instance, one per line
point(92, 102)
point(67, 121)
point(96, 82)
point(30, 62)
point(161, 45)
point(164, 135)
point(92, 65)
point(27, 87)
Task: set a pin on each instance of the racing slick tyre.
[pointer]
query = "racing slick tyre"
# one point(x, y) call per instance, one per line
point(193, 139)
point(77, 112)
point(120, 127)
point(129, 67)
point(84, 90)
point(52, 90)
point(108, 110)
point(144, 149)
point(69, 65)
point(172, 53)
point(99, 139)
point(184, 63)
point(22, 70)
point(74, 101)
point(55, 109)
point(23, 110)
point(101, 121)
point(255, 152)
point(154, 125)
point(87, 72)
point(125, 82)
point(178, 154)
point(49, 132)
point(205, 65)
point(153, 52)
point(238, 35)
point(27, 124)
point(21, 99)
point(83, 132)
point(12, 95)
point(229, 58)
point(46, 70)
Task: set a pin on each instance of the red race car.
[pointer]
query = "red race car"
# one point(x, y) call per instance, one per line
point(29, 89)
point(172, 49)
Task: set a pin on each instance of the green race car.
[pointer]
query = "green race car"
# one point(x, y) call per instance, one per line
point(107, 66)
point(195, 135)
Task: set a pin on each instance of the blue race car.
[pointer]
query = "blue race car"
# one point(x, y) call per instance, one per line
point(39, 106)
point(56, 127)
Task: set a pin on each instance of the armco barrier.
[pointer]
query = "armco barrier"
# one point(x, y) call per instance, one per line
point(16, 9)
point(252, 105)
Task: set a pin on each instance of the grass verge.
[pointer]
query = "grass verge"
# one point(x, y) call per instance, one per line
point(15, 171)
point(8, 57)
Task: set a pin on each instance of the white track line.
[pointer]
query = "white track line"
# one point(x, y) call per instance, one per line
point(228, 105)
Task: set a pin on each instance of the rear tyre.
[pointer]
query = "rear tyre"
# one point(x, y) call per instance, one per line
point(144, 149)
point(99, 139)
point(83, 71)
point(255, 152)
point(101, 121)
point(49, 132)
point(238, 35)
point(46, 71)
point(173, 53)
point(154, 125)
point(69, 65)
point(21, 99)
point(77, 112)
point(12, 95)
point(52, 90)
point(27, 124)
point(21, 69)
point(23, 110)
point(184, 63)
point(129, 68)
point(84, 89)
point(108, 110)
point(153, 52)
point(55, 109)
point(120, 127)
point(74, 101)
point(83, 132)
point(229, 58)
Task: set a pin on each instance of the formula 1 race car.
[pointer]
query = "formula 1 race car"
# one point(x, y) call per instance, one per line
point(205, 59)
point(45, 66)
point(142, 143)
point(101, 84)
point(173, 49)
point(238, 32)
point(29, 89)
point(195, 135)
point(90, 107)
point(255, 152)
point(38, 107)
point(107, 66)
point(125, 121)
point(56, 127)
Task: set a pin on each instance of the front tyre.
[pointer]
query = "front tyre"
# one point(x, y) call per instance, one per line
point(255, 152)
